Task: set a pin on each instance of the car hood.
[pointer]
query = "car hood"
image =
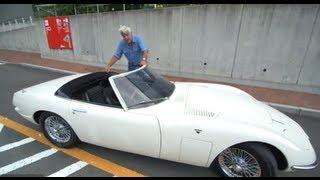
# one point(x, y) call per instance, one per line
point(232, 104)
point(216, 99)
point(210, 101)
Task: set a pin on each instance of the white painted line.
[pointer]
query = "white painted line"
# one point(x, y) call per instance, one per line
point(15, 144)
point(49, 68)
point(2, 63)
point(1, 126)
point(26, 161)
point(69, 169)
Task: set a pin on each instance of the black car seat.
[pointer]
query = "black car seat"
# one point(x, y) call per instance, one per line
point(95, 94)
point(111, 96)
point(108, 93)
point(104, 85)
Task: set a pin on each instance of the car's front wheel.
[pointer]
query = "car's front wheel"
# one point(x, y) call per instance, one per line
point(57, 130)
point(246, 160)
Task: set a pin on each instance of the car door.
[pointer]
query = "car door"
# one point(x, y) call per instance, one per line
point(114, 128)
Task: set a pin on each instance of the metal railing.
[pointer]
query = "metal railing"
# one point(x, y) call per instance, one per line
point(74, 9)
point(16, 24)
point(42, 10)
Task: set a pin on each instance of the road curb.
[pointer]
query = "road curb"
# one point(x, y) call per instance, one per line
point(301, 111)
point(41, 67)
point(3, 62)
point(285, 108)
point(49, 68)
point(310, 112)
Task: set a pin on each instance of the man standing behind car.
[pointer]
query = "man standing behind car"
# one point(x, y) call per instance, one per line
point(133, 47)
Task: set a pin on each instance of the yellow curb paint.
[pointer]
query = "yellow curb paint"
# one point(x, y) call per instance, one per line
point(77, 153)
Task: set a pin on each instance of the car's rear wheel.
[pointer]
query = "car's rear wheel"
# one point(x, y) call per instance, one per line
point(246, 160)
point(57, 130)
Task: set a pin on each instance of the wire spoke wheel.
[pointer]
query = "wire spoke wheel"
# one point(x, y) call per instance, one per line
point(57, 130)
point(237, 162)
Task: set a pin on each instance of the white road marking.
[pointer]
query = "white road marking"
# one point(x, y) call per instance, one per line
point(2, 63)
point(49, 68)
point(69, 169)
point(26, 161)
point(1, 126)
point(15, 144)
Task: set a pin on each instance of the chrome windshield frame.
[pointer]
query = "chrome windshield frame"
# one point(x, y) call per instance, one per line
point(115, 88)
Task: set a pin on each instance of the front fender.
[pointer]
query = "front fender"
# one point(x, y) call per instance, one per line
point(294, 154)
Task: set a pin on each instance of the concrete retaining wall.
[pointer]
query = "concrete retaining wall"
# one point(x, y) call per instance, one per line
point(26, 39)
point(263, 43)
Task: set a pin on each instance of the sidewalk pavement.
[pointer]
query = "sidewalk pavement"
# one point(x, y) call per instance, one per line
point(289, 101)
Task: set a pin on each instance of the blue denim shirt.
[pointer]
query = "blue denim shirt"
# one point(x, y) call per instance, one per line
point(133, 52)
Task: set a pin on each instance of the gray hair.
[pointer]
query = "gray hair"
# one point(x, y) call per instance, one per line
point(124, 29)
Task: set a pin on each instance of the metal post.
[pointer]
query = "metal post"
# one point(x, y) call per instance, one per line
point(55, 11)
point(16, 24)
point(98, 8)
point(124, 7)
point(31, 20)
point(38, 11)
point(9, 27)
point(75, 9)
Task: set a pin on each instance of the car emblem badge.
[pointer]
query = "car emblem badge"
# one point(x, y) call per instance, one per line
point(198, 131)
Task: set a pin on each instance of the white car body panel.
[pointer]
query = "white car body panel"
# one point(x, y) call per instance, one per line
point(116, 129)
point(225, 116)
point(41, 98)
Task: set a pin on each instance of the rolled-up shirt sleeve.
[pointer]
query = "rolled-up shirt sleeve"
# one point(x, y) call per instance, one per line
point(141, 44)
point(118, 53)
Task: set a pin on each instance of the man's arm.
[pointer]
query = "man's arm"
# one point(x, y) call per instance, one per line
point(116, 56)
point(144, 57)
point(143, 47)
point(113, 60)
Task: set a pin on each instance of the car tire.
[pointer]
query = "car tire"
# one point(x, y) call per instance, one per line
point(63, 137)
point(265, 163)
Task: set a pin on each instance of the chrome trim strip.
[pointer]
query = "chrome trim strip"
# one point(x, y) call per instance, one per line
point(306, 167)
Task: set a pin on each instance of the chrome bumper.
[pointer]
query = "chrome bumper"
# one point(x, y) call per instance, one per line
point(306, 167)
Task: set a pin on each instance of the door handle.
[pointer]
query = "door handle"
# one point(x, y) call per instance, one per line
point(79, 111)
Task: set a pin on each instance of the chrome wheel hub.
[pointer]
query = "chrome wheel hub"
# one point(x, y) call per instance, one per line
point(57, 130)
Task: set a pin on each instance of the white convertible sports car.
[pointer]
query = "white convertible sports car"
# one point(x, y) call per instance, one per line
point(202, 124)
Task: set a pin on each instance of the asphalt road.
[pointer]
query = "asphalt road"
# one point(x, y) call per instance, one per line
point(14, 77)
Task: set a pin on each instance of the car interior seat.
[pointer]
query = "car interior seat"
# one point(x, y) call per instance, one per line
point(108, 93)
point(95, 95)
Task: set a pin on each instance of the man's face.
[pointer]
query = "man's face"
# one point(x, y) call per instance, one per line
point(127, 37)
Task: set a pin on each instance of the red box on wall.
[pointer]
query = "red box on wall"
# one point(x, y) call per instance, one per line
point(58, 32)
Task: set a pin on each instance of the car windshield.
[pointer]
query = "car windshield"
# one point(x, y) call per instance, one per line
point(143, 87)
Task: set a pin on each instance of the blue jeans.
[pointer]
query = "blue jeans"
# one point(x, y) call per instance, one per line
point(132, 66)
